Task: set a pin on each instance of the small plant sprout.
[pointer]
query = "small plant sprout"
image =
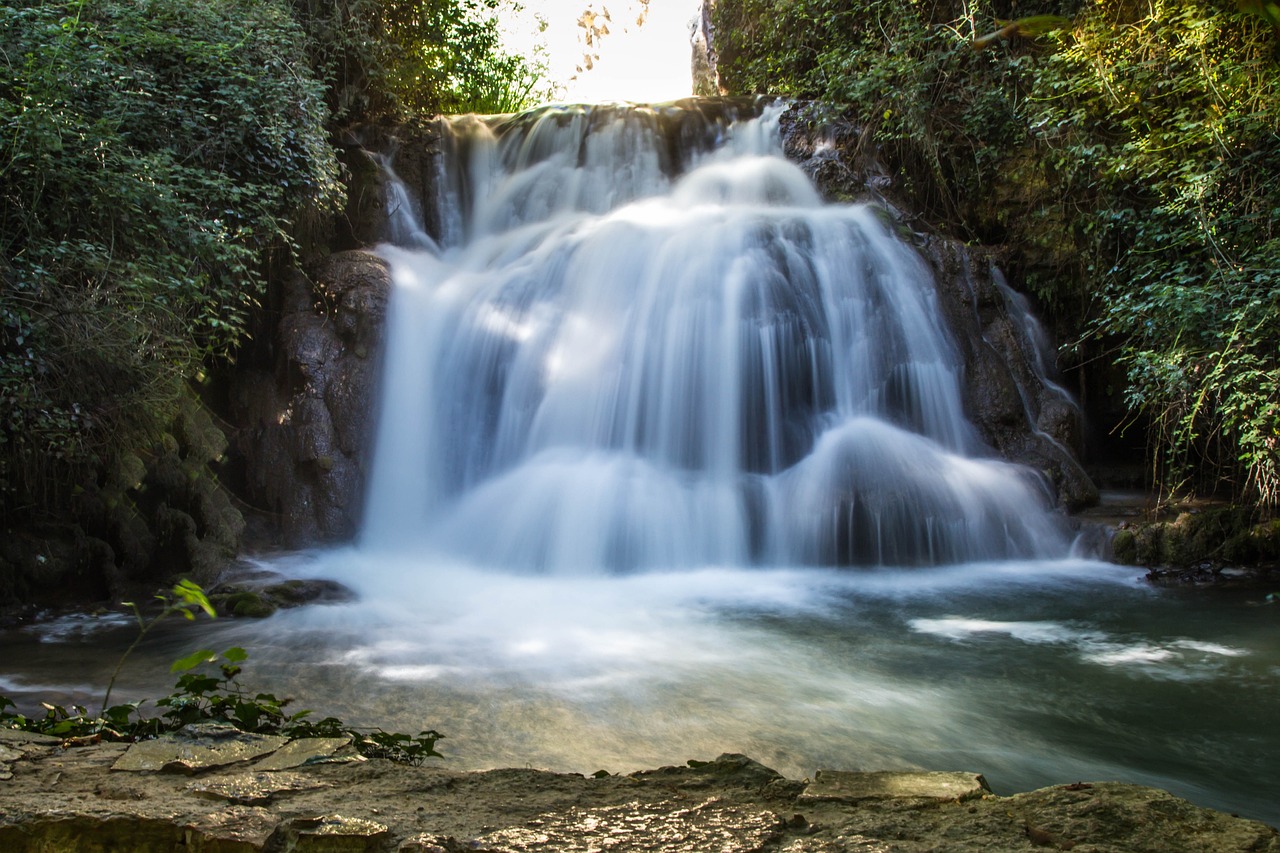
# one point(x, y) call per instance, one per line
point(208, 697)
point(186, 598)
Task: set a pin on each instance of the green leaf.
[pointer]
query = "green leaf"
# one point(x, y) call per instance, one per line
point(194, 660)
point(194, 595)
point(235, 654)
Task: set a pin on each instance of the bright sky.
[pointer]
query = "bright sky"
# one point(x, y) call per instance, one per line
point(637, 63)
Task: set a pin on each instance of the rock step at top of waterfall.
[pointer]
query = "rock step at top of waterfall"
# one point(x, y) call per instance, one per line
point(654, 347)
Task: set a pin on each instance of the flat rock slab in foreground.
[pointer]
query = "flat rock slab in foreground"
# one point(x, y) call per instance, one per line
point(840, 786)
point(198, 747)
point(71, 800)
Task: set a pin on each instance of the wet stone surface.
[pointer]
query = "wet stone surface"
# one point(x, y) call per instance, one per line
point(198, 747)
point(662, 826)
point(312, 750)
point(851, 787)
point(70, 799)
point(253, 789)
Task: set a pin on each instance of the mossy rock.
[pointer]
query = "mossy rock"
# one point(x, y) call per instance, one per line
point(253, 599)
point(1217, 535)
point(1124, 547)
point(1259, 545)
point(294, 592)
point(246, 603)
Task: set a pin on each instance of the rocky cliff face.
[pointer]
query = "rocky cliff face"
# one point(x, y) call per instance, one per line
point(303, 428)
point(303, 420)
point(155, 514)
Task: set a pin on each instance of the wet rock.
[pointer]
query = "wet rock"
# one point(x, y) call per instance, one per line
point(232, 828)
point(1016, 407)
point(260, 594)
point(1193, 544)
point(662, 826)
point(17, 745)
point(1089, 816)
point(427, 843)
point(728, 769)
point(27, 741)
point(255, 789)
point(850, 787)
point(303, 424)
point(133, 525)
point(70, 800)
point(196, 747)
point(297, 591)
point(310, 750)
point(329, 833)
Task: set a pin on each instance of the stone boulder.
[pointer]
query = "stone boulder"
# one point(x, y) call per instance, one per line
point(303, 428)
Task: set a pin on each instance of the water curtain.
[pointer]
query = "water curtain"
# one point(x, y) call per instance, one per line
point(644, 342)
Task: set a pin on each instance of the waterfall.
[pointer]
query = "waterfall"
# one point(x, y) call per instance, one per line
point(644, 342)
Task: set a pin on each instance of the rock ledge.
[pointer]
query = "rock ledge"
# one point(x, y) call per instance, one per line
point(71, 799)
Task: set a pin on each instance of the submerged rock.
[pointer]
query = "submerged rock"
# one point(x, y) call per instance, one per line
point(255, 789)
point(258, 594)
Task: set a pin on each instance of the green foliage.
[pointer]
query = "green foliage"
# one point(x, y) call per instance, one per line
point(204, 696)
point(1166, 120)
point(1129, 159)
point(184, 599)
point(151, 156)
point(429, 56)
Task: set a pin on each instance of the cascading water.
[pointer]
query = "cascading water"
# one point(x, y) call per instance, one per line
point(647, 344)
point(640, 401)
point(644, 396)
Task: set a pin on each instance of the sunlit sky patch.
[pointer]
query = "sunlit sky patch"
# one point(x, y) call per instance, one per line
point(643, 63)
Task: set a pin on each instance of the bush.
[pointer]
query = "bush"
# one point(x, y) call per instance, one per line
point(1163, 123)
point(152, 156)
point(389, 57)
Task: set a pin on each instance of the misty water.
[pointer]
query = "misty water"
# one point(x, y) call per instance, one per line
point(672, 461)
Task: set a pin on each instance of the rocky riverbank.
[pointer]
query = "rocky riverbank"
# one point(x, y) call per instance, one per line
point(218, 790)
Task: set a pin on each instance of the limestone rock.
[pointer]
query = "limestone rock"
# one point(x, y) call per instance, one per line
point(848, 787)
point(1090, 816)
point(331, 833)
point(304, 424)
point(199, 746)
point(662, 827)
point(254, 789)
point(26, 741)
point(310, 750)
point(70, 800)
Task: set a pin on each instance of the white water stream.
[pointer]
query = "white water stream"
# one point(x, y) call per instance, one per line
point(644, 404)
point(652, 347)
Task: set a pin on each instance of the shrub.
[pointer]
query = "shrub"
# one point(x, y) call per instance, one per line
point(152, 155)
